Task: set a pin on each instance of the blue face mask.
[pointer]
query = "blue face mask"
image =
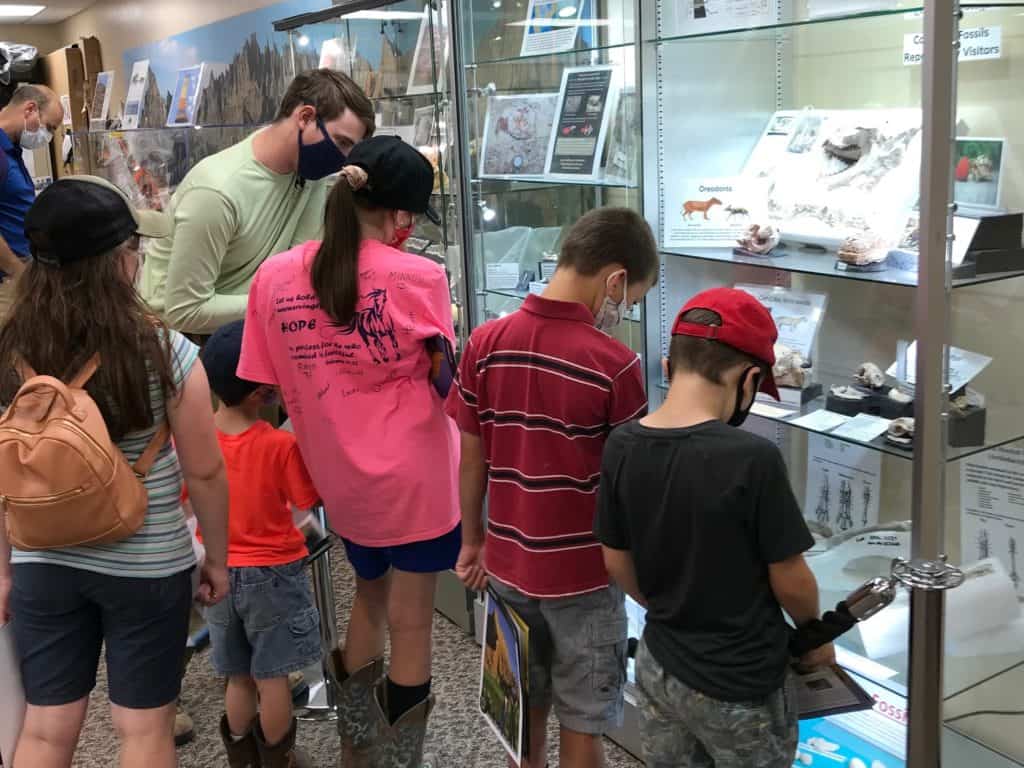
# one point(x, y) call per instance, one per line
point(321, 159)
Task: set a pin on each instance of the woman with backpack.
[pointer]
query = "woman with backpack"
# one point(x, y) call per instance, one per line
point(348, 328)
point(96, 550)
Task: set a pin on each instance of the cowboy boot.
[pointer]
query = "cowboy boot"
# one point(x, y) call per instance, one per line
point(243, 753)
point(357, 726)
point(399, 745)
point(284, 754)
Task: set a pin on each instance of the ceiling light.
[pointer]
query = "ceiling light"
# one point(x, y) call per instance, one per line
point(303, 41)
point(9, 11)
point(568, 11)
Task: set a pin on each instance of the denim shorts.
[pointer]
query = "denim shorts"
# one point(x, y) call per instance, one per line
point(64, 616)
point(268, 626)
point(577, 655)
point(431, 556)
point(682, 726)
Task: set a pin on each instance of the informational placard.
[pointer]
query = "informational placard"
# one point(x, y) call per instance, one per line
point(503, 276)
point(136, 94)
point(585, 106)
point(992, 509)
point(185, 96)
point(551, 26)
point(976, 44)
point(708, 212)
point(964, 365)
point(101, 101)
point(797, 315)
point(517, 133)
point(843, 484)
point(864, 427)
point(431, 55)
point(699, 17)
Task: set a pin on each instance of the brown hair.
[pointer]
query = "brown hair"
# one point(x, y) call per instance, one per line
point(335, 272)
point(62, 317)
point(331, 93)
point(706, 357)
point(611, 236)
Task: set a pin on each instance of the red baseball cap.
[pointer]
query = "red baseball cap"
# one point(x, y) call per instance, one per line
point(746, 325)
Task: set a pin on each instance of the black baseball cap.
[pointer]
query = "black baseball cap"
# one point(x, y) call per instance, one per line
point(220, 356)
point(78, 217)
point(400, 177)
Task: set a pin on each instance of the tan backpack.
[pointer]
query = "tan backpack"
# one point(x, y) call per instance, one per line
point(63, 481)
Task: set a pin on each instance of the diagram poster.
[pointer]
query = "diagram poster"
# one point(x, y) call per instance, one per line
point(136, 94)
point(551, 26)
point(843, 484)
point(517, 132)
point(697, 17)
point(708, 212)
point(185, 97)
point(584, 111)
point(992, 509)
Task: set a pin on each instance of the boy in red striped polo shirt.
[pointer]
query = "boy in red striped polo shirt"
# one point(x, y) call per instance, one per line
point(539, 391)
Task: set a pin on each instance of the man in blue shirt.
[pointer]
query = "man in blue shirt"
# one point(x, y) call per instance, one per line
point(27, 122)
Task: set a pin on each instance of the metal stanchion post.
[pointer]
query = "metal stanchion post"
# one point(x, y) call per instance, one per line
point(322, 704)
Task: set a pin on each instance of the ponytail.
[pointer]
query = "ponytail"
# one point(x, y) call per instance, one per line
point(335, 273)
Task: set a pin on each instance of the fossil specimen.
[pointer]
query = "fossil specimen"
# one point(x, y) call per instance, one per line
point(860, 250)
point(870, 375)
point(901, 432)
point(760, 239)
point(844, 392)
point(790, 368)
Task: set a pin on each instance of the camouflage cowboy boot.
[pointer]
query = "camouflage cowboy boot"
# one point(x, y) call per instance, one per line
point(399, 745)
point(357, 725)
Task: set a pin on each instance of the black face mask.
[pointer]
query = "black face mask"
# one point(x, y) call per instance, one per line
point(739, 413)
point(320, 159)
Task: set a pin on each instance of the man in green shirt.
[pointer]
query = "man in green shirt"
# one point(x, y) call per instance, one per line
point(260, 197)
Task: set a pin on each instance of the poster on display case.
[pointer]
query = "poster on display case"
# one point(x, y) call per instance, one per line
point(700, 17)
point(504, 677)
point(844, 482)
point(708, 212)
point(101, 101)
point(136, 94)
point(432, 34)
point(517, 132)
point(551, 26)
point(185, 96)
point(585, 107)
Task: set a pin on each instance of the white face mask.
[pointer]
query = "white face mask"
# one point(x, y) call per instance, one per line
point(36, 139)
point(610, 315)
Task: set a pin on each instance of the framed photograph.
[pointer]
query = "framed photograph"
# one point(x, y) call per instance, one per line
point(185, 97)
point(517, 131)
point(422, 74)
point(101, 101)
point(423, 127)
point(978, 173)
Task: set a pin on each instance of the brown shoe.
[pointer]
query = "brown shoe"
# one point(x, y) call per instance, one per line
point(357, 723)
point(243, 753)
point(184, 730)
point(284, 754)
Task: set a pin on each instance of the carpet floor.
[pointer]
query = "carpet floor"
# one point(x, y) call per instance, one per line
point(457, 735)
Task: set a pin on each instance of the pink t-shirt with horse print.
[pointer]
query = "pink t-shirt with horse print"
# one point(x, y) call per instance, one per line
point(371, 427)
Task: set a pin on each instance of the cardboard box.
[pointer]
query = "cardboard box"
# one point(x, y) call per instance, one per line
point(64, 72)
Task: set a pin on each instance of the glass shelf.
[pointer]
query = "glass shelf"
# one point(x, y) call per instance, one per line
point(911, 12)
point(549, 55)
point(998, 420)
point(810, 261)
point(525, 183)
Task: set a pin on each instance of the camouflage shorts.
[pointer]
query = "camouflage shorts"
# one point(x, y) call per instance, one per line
point(683, 728)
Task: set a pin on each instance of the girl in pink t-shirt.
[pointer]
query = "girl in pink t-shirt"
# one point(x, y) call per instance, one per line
point(345, 328)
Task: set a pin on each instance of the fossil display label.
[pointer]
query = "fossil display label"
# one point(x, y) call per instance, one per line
point(992, 509)
point(843, 484)
point(976, 44)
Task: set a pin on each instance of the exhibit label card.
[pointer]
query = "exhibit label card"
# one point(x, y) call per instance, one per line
point(707, 212)
point(185, 96)
point(585, 105)
point(992, 509)
point(863, 428)
point(502, 276)
point(136, 94)
point(101, 101)
point(976, 44)
point(700, 17)
point(551, 26)
point(797, 315)
point(964, 365)
point(843, 484)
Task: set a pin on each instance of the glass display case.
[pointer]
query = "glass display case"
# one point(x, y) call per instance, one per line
point(552, 130)
point(784, 145)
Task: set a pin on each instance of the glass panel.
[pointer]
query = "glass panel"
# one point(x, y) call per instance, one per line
point(984, 661)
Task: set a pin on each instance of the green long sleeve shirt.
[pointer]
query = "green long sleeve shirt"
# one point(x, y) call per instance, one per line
point(230, 214)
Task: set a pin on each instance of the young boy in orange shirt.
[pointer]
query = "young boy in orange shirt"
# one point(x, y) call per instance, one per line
point(268, 626)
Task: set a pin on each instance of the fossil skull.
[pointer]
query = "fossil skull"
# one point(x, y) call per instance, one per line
point(870, 375)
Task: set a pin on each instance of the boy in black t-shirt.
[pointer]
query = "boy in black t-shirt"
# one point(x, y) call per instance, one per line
point(699, 523)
